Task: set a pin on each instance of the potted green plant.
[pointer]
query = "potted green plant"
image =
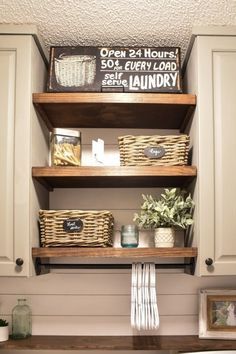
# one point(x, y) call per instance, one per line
point(4, 331)
point(172, 210)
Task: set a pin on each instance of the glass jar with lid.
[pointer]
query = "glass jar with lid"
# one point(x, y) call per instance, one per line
point(21, 320)
point(65, 147)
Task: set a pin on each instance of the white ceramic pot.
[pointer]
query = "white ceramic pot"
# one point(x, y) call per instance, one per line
point(164, 237)
point(4, 333)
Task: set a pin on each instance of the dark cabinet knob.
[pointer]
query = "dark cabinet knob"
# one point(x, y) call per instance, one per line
point(19, 262)
point(209, 261)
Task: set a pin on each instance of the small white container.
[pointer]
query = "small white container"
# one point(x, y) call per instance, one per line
point(4, 333)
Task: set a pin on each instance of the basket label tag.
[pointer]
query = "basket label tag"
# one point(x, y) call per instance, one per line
point(72, 225)
point(154, 152)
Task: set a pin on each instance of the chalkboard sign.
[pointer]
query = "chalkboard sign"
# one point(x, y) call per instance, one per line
point(109, 69)
point(72, 225)
point(154, 152)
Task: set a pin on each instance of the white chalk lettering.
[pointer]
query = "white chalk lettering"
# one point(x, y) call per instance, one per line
point(135, 53)
point(114, 79)
point(150, 53)
point(167, 80)
point(165, 66)
point(152, 81)
point(71, 223)
point(114, 76)
point(174, 78)
point(138, 65)
point(109, 63)
point(106, 52)
point(149, 82)
point(170, 66)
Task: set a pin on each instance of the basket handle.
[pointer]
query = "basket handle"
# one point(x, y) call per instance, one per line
point(61, 57)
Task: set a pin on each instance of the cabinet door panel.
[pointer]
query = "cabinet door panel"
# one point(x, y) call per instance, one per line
point(7, 103)
point(216, 90)
point(224, 79)
point(14, 154)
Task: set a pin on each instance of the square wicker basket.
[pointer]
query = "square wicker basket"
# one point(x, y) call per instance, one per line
point(62, 228)
point(174, 148)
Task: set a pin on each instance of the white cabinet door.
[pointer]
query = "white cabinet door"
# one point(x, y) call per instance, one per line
point(14, 176)
point(217, 154)
point(7, 116)
point(23, 143)
point(224, 96)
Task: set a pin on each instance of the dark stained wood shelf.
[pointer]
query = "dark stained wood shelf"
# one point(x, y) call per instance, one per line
point(110, 252)
point(114, 176)
point(41, 256)
point(177, 343)
point(115, 110)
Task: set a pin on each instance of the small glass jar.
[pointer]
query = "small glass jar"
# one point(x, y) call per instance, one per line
point(65, 147)
point(21, 320)
point(129, 236)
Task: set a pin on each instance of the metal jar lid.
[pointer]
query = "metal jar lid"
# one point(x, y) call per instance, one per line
point(66, 132)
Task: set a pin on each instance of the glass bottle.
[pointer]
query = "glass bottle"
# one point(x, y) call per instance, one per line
point(129, 236)
point(21, 320)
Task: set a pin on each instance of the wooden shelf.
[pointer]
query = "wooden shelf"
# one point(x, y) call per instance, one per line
point(41, 256)
point(176, 343)
point(110, 252)
point(114, 176)
point(115, 110)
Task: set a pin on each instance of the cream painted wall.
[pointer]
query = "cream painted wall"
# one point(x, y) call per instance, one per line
point(98, 302)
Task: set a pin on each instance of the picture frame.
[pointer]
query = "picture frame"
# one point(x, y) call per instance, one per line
point(217, 314)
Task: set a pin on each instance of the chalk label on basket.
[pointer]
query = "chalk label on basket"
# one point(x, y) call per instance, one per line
point(154, 152)
point(72, 225)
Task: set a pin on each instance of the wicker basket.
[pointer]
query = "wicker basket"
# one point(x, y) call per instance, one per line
point(75, 70)
point(175, 150)
point(95, 228)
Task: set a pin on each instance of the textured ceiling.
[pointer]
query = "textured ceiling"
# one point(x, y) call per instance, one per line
point(118, 22)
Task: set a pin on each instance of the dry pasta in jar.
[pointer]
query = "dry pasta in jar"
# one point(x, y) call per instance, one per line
point(65, 147)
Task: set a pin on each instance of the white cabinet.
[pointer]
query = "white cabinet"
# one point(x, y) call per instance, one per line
point(7, 93)
point(211, 74)
point(22, 71)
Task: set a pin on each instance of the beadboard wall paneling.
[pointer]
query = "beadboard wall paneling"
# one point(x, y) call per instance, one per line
point(127, 198)
point(106, 282)
point(97, 302)
point(111, 146)
point(110, 135)
point(100, 305)
point(109, 325)
point(112, 325)
point(101, 199)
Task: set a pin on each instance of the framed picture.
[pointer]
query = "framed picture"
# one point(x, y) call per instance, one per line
point(217, 317)
point(114, 69)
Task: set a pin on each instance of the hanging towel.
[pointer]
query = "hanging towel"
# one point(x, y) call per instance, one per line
point(144, 309)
